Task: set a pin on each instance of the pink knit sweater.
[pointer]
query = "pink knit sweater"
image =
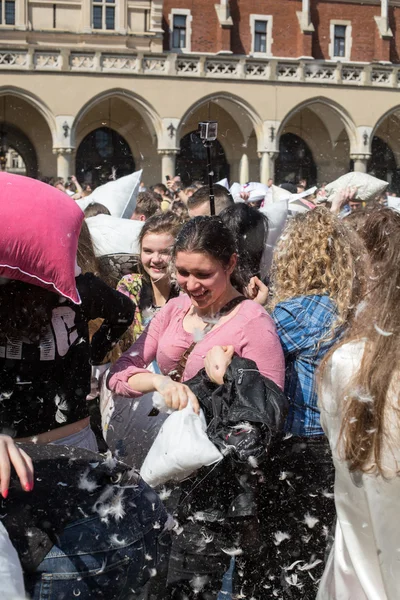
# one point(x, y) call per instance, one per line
point(251, 331)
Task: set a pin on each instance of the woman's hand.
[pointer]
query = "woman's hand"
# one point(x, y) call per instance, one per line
point(257, 291)
point(175, 394)
point(217, 361)
point(11, 454)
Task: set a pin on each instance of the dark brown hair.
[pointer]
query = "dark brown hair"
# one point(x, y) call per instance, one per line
point(94, 209)
point(209, 235)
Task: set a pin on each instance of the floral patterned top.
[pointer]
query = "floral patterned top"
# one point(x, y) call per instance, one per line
point(131, 286)
point(141, 294)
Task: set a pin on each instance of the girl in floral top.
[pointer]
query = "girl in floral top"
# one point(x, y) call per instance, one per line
point(152, 287)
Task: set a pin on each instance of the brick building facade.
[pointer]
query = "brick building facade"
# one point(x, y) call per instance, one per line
point(372, 35)
point(299, 87)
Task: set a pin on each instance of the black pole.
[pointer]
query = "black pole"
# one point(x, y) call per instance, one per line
point(210, 178)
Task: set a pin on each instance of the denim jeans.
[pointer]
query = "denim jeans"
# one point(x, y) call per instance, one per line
point(93, 559)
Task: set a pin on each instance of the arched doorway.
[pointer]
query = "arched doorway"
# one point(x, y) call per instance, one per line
point(191, 164)
point(382, 163)
point(19, 153)
point(295, 161)
point(103, 155)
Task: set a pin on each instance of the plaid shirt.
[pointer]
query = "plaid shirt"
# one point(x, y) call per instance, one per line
point(301, 323)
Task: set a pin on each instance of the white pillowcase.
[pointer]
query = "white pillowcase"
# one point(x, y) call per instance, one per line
point(180, 448)
point(368, 187)
point(277, 213)
point(118, 196)
point(111, 235)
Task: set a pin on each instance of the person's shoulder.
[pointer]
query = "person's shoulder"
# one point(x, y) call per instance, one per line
point(177, 305)
point(343, 364)
point(250, 310)
point(347, 356)
point(131, 279)
point(313, 308)
point(307, 302)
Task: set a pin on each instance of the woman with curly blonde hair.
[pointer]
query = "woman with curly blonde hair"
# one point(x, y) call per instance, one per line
point(317, 283)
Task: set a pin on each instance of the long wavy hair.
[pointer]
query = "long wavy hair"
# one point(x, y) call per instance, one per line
point(374, 389)
point(319, 255)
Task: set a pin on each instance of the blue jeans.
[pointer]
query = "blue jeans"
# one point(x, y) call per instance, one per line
point(114, 560)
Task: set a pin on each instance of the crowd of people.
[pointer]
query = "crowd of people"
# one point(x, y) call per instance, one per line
point(290, 368)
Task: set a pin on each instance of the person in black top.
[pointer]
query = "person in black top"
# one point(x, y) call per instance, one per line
point(46, 357)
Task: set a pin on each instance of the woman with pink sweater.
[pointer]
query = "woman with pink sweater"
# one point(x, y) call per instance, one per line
point(212, 313)
point(208, 327)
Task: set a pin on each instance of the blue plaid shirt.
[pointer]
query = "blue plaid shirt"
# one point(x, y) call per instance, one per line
point(301, 323)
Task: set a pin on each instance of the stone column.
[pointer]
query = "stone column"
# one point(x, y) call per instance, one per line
point(121, 17)
point(168, 162)
point(64, 156)
point(244, 169)
point(86, 16)
point(360, 162)
point(267, 166)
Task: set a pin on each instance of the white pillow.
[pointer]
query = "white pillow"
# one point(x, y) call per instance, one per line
point(114, 236)
point(180, 448)
point(118, 196)
point(394, 203)
point(279, 194)
point(368, 187)
point(224, 183)
point(277, 213)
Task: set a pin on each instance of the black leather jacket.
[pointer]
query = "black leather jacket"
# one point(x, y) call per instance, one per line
point(230, 489)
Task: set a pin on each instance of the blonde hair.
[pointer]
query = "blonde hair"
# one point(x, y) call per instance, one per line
point(319, 255)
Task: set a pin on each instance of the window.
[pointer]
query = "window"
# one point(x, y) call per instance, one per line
point(340, 41)
point(260, 36)
point(103, 16)
point(180, 20)
point(179, 31)
point(7, 12)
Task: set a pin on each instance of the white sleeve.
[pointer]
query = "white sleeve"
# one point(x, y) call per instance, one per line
point(12, 581)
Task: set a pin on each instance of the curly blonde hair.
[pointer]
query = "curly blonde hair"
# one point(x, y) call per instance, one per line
point(318, 254)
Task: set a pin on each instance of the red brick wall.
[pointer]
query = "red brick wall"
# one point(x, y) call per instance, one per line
point(394, 22)
point(367, 46)
point(286, 29)
point(205, 24)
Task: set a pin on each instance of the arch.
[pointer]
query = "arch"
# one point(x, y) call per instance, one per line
point(39, 105)
point(145, 110)
point(295, 160)
point(382, 163)
point(342, 114)
point(389, 113)
point(20, 142)
point(235, 104)
point(191, 163)
point(100, 152)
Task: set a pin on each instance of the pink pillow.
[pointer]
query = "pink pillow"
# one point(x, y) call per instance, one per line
point(39, 231)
